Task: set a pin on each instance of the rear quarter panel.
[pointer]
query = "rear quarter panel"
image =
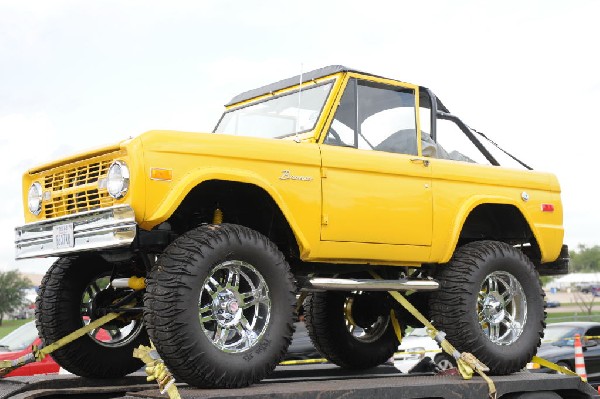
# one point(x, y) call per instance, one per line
point(459, 187)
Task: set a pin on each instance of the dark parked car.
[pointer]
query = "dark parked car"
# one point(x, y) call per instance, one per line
point(552, 304)
point(593, 289)
point(557, 347)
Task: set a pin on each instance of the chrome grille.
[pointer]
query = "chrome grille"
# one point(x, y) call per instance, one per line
point(76, 190)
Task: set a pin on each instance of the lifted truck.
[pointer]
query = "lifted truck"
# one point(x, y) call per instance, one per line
point(310, 185)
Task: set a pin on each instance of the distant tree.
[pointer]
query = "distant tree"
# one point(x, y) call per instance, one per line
point(586, 306)
point(12, 291)
point(585, 259)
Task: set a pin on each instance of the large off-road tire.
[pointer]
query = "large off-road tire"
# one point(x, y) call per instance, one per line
point(219, 306)
point(363, 343)
point(68, 295)
point(490, 303)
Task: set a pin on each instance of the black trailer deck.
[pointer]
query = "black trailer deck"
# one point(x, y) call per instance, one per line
point(303, 382)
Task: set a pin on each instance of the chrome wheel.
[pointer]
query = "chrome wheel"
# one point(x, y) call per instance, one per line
point(114, 334)
point(235, 306)
point(364, 334)
point(502, 308)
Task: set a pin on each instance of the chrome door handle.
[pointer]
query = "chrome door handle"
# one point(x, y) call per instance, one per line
point(425, 162)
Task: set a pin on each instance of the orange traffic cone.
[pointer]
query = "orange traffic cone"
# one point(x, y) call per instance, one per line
point(579, 362)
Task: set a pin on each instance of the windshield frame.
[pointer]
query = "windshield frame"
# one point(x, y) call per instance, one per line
point(333, 80)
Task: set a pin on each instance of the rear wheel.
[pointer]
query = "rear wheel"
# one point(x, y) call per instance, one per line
point(71, 294)
point(490, 303)
point(352, 330)
point(220, 306)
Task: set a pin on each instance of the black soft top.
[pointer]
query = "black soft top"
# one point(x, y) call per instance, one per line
point(315, 74)
point(282, 84)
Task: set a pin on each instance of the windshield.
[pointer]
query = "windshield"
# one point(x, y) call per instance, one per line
point(281, 116)
point(561, 335)
point(20, 338)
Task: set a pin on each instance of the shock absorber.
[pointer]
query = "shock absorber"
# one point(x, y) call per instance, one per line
point(217, 216)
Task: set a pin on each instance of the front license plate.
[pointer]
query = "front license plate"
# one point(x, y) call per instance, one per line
point(62, 236)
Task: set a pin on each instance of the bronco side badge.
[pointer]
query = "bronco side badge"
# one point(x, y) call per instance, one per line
point(287, 175)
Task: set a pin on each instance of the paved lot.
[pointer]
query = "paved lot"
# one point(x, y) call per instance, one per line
point(571, 298)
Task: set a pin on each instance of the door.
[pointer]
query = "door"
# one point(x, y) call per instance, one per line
point(376, 189)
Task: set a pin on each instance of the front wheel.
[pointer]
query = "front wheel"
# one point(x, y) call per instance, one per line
point(219, 306)
point(490, 303)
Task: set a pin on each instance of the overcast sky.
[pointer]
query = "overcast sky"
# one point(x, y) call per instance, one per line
point(75, 75)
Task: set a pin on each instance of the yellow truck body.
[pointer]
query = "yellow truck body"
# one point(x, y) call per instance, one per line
point(352, 205)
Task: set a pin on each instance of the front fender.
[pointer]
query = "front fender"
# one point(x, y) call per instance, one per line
point(169, 203)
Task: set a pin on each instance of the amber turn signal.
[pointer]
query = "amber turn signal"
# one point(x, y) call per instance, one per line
point(161, 174)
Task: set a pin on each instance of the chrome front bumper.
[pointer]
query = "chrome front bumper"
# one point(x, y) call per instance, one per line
point(102, 228)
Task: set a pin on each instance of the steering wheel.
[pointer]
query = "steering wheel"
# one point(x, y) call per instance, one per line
point(334, 139)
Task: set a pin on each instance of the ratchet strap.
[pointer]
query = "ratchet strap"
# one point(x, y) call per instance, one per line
point(396, 325)
point(155, 369)
point(39, 353)
point(467, 363)
point(553, 366)
point(302, 361)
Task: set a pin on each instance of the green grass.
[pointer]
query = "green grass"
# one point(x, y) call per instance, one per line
point(595, 303)
point(9, 325)
point(572, 316)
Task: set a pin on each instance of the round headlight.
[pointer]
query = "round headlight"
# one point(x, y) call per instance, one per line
point(117, 181)
point(34, 198)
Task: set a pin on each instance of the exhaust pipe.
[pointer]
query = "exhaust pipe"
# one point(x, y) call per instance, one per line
point(349, 284)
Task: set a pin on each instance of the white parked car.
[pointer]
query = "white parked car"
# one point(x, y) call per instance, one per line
point(415, 346)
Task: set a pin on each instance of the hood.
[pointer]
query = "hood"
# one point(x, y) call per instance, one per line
point(94, 152)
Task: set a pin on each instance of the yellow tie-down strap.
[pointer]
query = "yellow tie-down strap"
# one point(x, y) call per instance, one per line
point(552, 366)
point(157, 371)
point(156, 368)
point(6, 366)
point(466, 362)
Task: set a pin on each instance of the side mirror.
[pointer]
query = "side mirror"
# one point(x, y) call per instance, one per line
point(591, 342)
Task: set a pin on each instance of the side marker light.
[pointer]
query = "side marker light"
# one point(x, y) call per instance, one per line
point(547, 208)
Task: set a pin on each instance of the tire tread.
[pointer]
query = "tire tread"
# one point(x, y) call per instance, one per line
point(167, 287)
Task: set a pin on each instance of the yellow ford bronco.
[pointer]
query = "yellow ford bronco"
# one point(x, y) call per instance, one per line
point(331, 189)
